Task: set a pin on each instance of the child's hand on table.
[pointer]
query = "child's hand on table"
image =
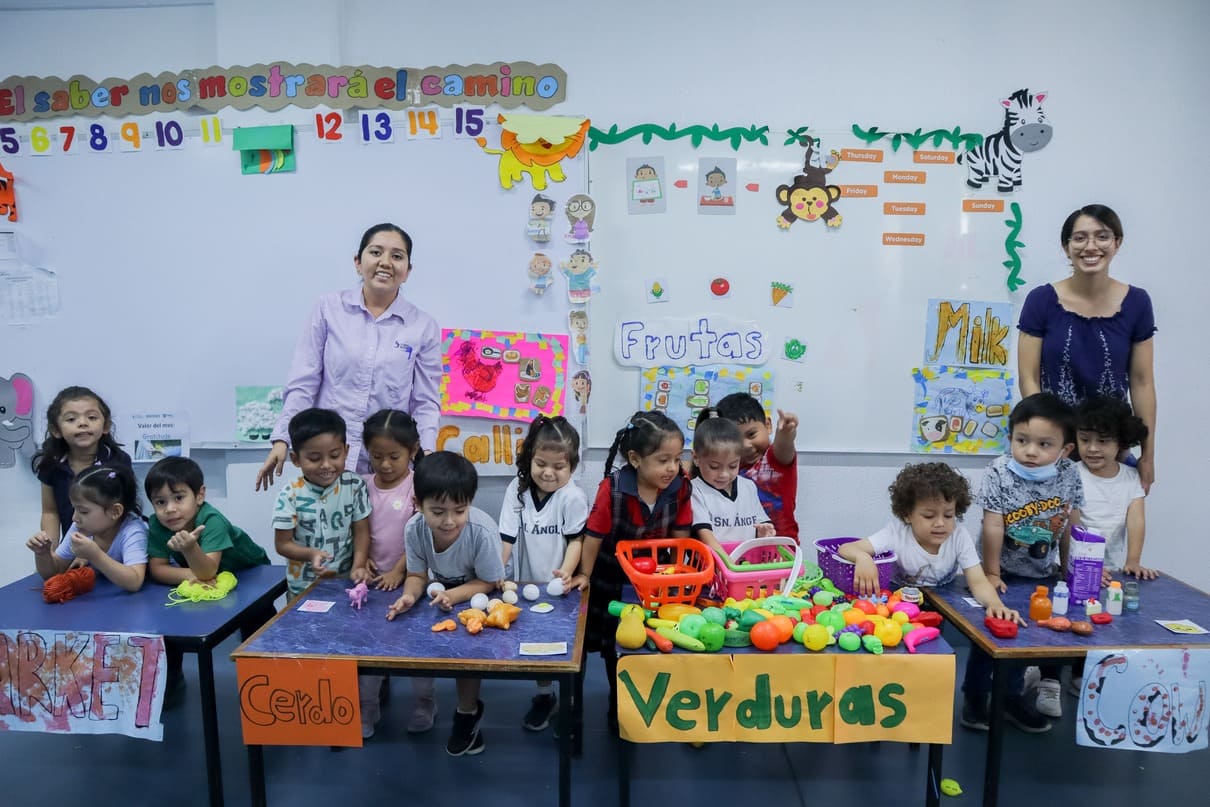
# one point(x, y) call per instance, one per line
point(400, 605)
point(865, 576)
point(577, 581)
point(1140, 571)
point(442, 600)
point(391, 580)
point(1002, 611)
point(360, 575)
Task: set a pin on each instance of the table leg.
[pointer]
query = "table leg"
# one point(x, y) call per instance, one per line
point(932, 792)
point(214, 770)
point(625, 749)
point(577, 714)
point(256, 774)
point(568, 736)
point(995, 734)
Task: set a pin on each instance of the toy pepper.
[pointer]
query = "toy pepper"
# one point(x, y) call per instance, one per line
point(1001, 628)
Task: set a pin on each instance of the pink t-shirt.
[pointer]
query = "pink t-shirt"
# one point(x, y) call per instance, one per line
point(389, 513)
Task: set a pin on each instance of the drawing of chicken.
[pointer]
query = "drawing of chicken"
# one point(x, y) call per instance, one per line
point(480, 376)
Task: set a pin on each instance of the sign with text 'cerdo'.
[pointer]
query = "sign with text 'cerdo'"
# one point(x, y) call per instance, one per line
point(786, 698)
point(293, 701)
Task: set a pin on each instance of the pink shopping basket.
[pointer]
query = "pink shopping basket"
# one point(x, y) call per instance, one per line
point(840, 571)
point(756, 568)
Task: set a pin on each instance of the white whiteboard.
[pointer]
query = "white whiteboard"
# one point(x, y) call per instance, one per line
point(181, 279)
point(858, 305)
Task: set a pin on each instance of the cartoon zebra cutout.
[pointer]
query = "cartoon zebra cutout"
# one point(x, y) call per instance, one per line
point(1025, 129)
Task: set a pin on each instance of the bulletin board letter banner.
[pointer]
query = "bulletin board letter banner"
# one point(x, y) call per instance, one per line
point(903, 698)
point(967, 333)
point(707, 339)
point(299, 701)
point(505, 376)
point(82, 682)
point(279, 85)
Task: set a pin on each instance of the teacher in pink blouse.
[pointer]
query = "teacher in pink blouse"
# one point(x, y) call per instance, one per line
point(362, 350)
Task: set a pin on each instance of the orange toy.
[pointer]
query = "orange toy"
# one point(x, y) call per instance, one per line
point(765, 635)
point(445, 624)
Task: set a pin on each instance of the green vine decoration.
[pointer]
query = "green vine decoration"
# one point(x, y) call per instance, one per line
point(916, 139)
point(798, 136)
point(1011, 244)
point(695, 133)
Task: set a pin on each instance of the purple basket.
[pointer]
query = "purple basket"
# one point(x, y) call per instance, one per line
point(840, 571)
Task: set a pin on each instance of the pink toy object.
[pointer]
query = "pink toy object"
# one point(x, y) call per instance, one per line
point(918, 637)
point(909, 608)
point(358, 595)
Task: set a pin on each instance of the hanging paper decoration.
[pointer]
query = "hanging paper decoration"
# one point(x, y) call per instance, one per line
point(696, 134)
point(8, 194)
point(535, 145)
point(1025, 129)
point(539, 273)
point(17, 422)
point(1013, 264)
point(646, 185)
point(581, 386)
point(265, 149)
point(541, 211)
point(715, 186)
point(579, 270)
point(581, 213)
point(507, 376)
point(577, 322)
point(808, 197)
point(961, 411)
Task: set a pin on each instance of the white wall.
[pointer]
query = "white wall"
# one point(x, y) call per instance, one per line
point(1128, 133)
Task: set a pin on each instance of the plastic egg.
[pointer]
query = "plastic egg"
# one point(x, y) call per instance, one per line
point(509, 585)
point(510, 596)
point(530, 592)
point(479, 601)
point(435, 588)
point(555, 588)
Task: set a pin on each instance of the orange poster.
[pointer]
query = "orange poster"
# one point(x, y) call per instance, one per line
point(904, 177)
point(868, 191)
point(942, 157)
point(861, 155)
point(903, 239)
point(903, 208)
point(296, 701)
point(982, 205)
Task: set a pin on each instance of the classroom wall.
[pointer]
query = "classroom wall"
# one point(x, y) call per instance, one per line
point(1125, 135)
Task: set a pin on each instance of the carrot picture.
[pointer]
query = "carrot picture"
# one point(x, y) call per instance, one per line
point(780, 291)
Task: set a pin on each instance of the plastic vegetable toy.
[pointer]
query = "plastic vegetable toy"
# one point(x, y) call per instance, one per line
point(445, 624)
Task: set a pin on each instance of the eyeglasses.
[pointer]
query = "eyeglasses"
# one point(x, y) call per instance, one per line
point(1102, 238)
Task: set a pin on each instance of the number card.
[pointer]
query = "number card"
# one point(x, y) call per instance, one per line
point(327, 126)
point(98, 138)
point(423, 124)
point(468, 122)
point(39, 141)
point(9, 144)
point(377, 127)
point(130, 136)
point(212, 130)
point(168, 135)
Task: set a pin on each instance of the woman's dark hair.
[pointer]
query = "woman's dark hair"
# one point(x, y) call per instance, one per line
point(1111, 417)
point(713, 432)
point(445, 475)
point(55, 448)
point(386, 227)
point(928, 480)
point(1101, 213)
point(396, 425)
point(643, 434)
point(546, 433)
point(107, 485)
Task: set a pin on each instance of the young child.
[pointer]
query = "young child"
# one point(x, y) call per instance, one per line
point(1031, 498)
point(321, 520)
point(726, 506)
point(188, 539)
point(458, 546)
point(107, 532)
point(543, 517)
point(78, 436)
point(1113, 494)
point(769, 458)
point(929, 542)
point(392, 439)
point(648, 496)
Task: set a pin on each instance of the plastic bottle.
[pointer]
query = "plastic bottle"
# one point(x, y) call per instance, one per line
point(1060, 599)
point(1113, 599)
point(1039, 604)
point(1130, 595)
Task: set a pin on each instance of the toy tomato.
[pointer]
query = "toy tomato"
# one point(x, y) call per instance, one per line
point(930, 619)
point(765, 635)
point(644, 565)
point(866, 606)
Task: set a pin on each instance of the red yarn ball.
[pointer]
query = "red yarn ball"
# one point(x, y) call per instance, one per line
point(62, 587)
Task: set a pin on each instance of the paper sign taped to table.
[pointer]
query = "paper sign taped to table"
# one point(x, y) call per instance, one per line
point(82, 682)
point(1145, 700)
point(785, 698)
point(299, 701)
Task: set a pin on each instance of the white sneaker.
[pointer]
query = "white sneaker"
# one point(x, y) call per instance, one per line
point(1049, 700)
point(1032, 676)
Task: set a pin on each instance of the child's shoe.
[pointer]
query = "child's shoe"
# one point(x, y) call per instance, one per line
point(424, 714)
point(975, 712)
point(466, 739)
point(1032, 676)
point(1021, 714)
point(1049, 700)
point(540, 712)
point(1076, 685)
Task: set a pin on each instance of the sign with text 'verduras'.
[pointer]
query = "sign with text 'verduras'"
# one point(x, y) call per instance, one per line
point(786, 698)
point(82, 682)
point(299, 701)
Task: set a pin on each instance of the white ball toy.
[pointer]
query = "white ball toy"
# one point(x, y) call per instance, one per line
point(435, 588)
point(530, 592)
point(510, 596)
point(479, 601)
point(555, 588)
point(509, 585)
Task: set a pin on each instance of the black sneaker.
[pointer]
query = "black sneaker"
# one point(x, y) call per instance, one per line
point(466, 739)
point(975, 713)
point(1021, 713)
point(540, 712)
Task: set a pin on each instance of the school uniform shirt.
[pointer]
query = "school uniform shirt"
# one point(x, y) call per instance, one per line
point(60, 476)
point(218, 535)
point(1035, 514)
point(916, 566)
point(732, 515)
point(390, 511)
point(349, 361)
point(129, 546)
point(778, 488)
point(541, 530)
point(1105, 505)
point(321, 518)
point(474, 554)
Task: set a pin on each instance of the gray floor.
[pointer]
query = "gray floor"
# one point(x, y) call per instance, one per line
point(519, 767)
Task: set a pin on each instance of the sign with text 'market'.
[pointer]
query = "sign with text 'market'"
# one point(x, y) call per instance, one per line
point(825, 698)
point(299, 701)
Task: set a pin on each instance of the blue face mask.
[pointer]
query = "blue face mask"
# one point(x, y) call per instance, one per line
point(1039, 474)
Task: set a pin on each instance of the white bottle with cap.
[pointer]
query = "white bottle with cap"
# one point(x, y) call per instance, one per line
point(1113, 599)
point(1060, 599)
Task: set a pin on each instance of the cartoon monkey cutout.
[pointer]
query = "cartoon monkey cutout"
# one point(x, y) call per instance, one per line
point(808, 197)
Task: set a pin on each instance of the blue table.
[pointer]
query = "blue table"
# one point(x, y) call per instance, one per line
point(407, 646)
point(1162, 598)
point(194, 627)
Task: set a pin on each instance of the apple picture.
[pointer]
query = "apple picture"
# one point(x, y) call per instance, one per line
point(720, 287)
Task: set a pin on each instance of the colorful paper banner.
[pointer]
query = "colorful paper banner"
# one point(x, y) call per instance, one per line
point(961, 411)
point(492, 446)
point(299, 701)
point(501, 375)
point(967, 333)
point(708, 339)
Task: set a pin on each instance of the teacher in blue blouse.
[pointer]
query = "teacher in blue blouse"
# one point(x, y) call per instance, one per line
point(1090, 334)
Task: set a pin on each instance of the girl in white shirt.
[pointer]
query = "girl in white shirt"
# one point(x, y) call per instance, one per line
point(726, 505)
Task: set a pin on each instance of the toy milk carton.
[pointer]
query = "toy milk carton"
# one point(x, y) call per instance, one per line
point(1086, 559)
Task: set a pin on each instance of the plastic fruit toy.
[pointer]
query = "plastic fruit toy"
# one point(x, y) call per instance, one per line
point(815, 637)
point(849, 642)
point(1001, 628)
point(765, 635)
point(712, 636)
point(643, 565)
point(1081, 628)
point(889, 633)
point(1099, 619)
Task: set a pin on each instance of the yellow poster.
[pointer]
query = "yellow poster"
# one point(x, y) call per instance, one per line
point(905, 698)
